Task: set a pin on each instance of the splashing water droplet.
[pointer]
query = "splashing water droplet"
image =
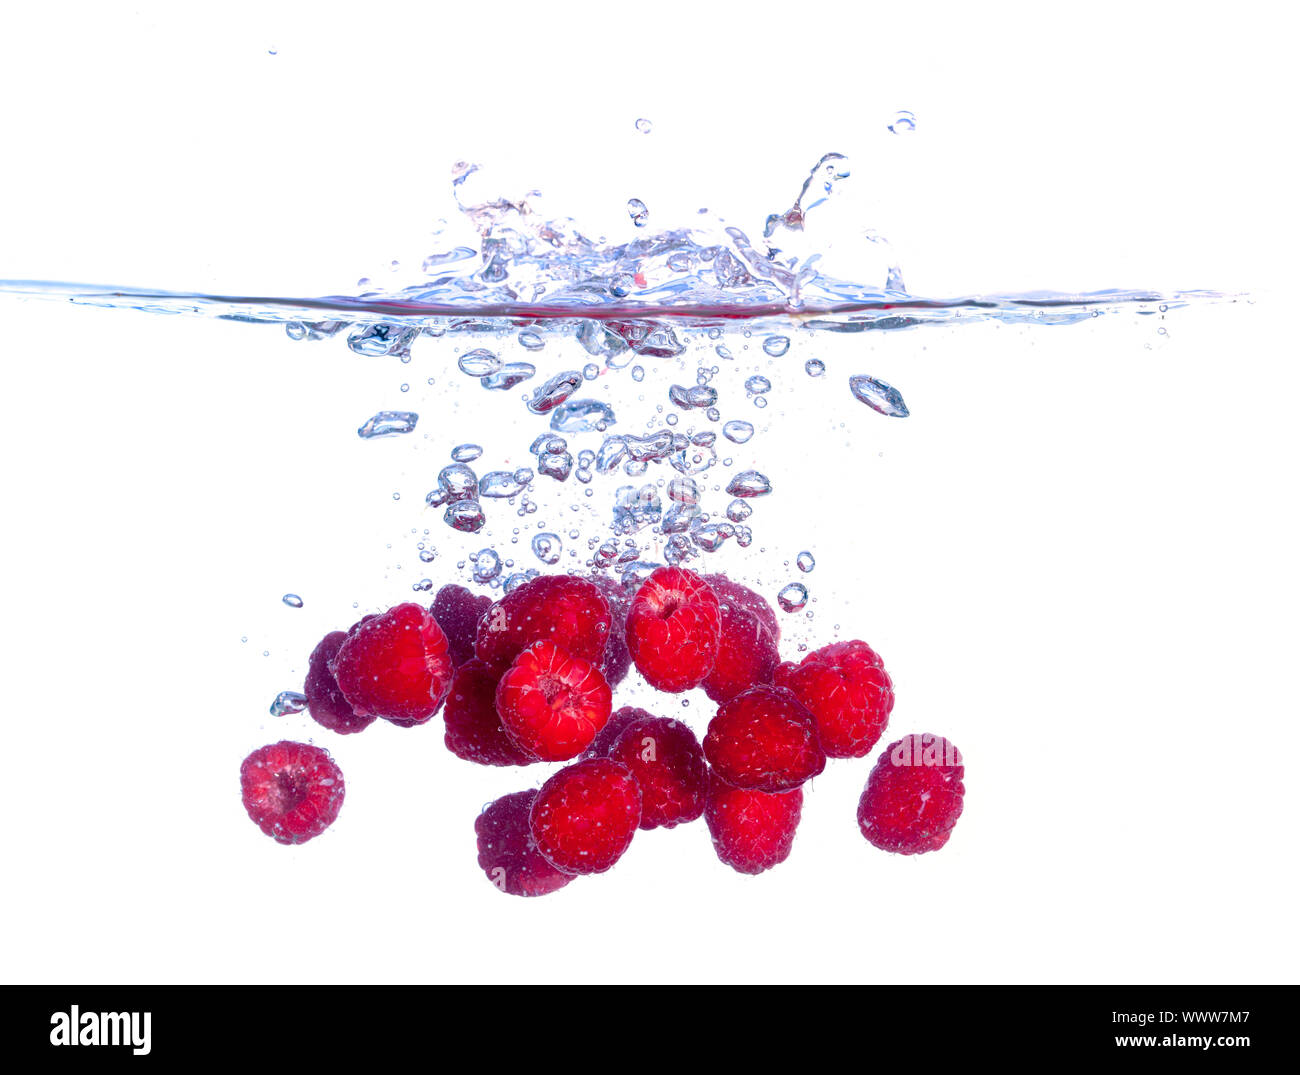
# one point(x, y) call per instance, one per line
point(879, 396)
point(904, 123)
point(292, 600)
point(487, 565)
point(805, 561)
point(500, 484)
point(637, 210)
point(738, 511)
point(738, 432)
point(458, 482)
point(465, 516)
point(531, 341)
point(479, 363)
point(792, 597)
point(555, 391)
point(581, 416)
point(287, 703)
point(509, 375)
point(700, 395)
point(547, 548)
point(749, 483)
point(466, 453)
point(556, 466)
point(388, 424)
point(776, 346)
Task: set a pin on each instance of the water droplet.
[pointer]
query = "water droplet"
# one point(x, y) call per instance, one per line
point(555, 391)
point(581, 416)
point(904, 123)
point(757, 385)
point(427, 556)
point(466, 453)
point(644, 126)
point(793, 597)
point(465, 516)
point(638, 373)
point(500, 484)
point(684, 491)
point(292, 600)
point(637, 210)
point(531, 341)
point(487, 565)
point(556, 466)
point(738, 511)
point(509, 375)
point(388, 424)
point(738, 432)
point(479, 363)
point(878, 395)
point(749, 483)
point(547, 548)
point(814, 367)
point(376, 340)
point(590, 371)
point(458, 482)
point(287, 703)
point(805, 561)
point(700, 395)
point(776, 346)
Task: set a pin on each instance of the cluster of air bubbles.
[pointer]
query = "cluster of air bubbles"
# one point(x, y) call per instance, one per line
point(388, 424)
point(292, 600)
point(878, 395)
point(287, 703)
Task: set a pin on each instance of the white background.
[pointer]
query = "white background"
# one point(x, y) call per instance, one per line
point(1077, 556)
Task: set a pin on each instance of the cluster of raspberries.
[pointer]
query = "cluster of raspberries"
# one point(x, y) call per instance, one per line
point(530, 678)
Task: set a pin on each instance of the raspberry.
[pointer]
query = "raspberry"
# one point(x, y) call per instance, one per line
point(552, 704)
point(569, 611)
point(325, 702)
point(585, 816)
point(747, 647)
point(666, 759)
point(474, 731)
point(764, 740)
point(845, 687)
point(752, 830)
point(458, 612)
point(617, 659)
point(673, 628)
point(613, 728)
point(507, 851)
point(394, 665)
point(292, 791)
point(913, 797)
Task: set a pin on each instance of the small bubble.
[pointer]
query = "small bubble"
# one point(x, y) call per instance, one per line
point(644, 126)
point(903, 123)
point(814, 367)
point(776, 346)
point(738, 432)
point(531, 341)
point(292, 600)
point(793, 597)
point(805, 561)
point(637, 210)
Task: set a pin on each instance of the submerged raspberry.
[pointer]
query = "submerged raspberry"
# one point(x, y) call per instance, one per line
point(325, 702)
point(395, 665)
point(752, 830)
point(845, 687)
point(292, 791)
point(747, 646)
point(474, 729)
point(585, 816)
point(567, 611)
point(673, 627)
point(914, 795)
point(458, 611)
point(765, 740)
point(666, 759)
point(552, 704)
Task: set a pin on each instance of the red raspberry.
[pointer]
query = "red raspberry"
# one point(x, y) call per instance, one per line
point(617, 659)
point(765, 740)
point(585, 816)
point(747, 648)
point(569, 611)
point(666, 759)
point(325, 702)
point(507, 851)
point(458, 612)
point(914, 795)
point(394, 665)
point(613, 728)
point(752, 830)
point(673, 628)
point(474, 731)
point(292, 791)
point(845, 687)
point(551, 704)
